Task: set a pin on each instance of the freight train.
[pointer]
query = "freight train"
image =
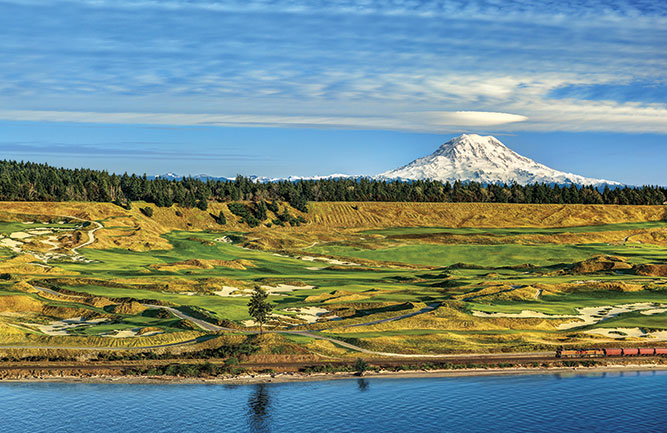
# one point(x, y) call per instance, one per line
point(601, 353)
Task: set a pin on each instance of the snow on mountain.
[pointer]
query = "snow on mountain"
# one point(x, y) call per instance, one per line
point(484, 159)
point(257, 179)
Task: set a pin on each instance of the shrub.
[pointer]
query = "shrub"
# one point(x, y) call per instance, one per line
point(148, 211)
point(220, 219)
point(202, 204)
point(273, 207)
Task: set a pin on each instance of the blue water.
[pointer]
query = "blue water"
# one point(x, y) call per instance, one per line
point(618, 402)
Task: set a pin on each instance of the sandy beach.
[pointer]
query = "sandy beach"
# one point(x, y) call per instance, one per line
point(303, 377)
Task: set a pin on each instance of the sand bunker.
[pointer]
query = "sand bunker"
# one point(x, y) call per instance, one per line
point(525, 314)
point(20, 235)
point(13, 245)
point(585, 316)
point(274, 316)
point(629, 333)
point(233, 292)
point(593, 315)
point(129, 333)
point(310, 314)
point(60, 327)
point(284, 288)
point(327, 260)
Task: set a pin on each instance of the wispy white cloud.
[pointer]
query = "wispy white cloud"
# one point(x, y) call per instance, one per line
point(552, 10)
point(434, 66)
point(562, 115)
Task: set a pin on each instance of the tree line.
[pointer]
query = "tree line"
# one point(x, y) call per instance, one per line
point(27, 181)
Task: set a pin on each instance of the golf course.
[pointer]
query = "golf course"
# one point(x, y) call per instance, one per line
point(354, 278)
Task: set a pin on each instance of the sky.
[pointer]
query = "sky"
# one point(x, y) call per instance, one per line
point(313, 87)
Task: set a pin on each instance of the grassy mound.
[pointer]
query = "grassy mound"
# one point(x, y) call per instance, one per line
point(132, 307)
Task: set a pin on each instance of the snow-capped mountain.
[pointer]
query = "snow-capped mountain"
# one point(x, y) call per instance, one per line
point(484, 159)
point(256, 179)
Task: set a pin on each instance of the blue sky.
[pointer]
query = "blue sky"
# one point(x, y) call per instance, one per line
point(305, 87)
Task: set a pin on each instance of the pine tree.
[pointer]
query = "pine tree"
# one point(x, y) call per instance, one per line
point(259, 307)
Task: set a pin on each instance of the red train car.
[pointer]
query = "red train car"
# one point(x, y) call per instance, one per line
point(579, 353)
point(597, 353)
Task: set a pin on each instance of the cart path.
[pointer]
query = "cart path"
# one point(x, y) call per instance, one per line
point(90, 233)
point(210, 327)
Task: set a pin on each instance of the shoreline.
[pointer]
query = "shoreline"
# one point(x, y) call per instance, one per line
point(316, 377)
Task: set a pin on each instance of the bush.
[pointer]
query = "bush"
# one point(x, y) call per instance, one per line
point(148, 211)
point(360, 366)
point(273, 207)
point(239, 209)
point(220, 219)
point(202, 204)
point(232, 361)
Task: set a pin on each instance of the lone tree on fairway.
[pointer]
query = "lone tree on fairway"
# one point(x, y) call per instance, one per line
point(259, 307)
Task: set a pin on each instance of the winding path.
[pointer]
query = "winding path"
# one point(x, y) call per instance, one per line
point(91, 233)
point(210, 327)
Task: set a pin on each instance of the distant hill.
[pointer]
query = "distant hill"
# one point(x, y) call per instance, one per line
point(477, 158)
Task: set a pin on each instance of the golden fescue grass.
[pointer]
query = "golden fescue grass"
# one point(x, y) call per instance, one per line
point(492, 292)
point(131, 229)
point(655, 236)
point(448, 318)
point(26, 264)
point(378, 215)
point(131, 307)
point(338, 296)
point(10, 334)
point(194, 264)
point(94, 341)
point(327, 221)
point(326, 348)
point(652, 270)
point(20, 304)
point(601, 263)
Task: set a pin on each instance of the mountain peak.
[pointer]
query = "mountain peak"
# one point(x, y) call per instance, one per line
point(484, 159)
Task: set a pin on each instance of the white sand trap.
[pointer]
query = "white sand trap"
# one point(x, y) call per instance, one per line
point(28, 222)
point(315, 268)
point(592, 315)
point(40, 231)
point(653, 311)
point(525, 314)
point(150, 334)
point(327, 260)
point(129, 333)
point(310, 314)
point(585, 316)
point(51, 240)
point(11, 244)
point(233, 292)
point(60, 327)
point(224, 239)
point(284, 288)
point(20, 235)
point(629, 333)
point(125, 333)
point(274, 316)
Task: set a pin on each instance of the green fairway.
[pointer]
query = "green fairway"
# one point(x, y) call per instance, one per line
point(199, 264)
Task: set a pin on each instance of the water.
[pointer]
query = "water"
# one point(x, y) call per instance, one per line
point(619, 402)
